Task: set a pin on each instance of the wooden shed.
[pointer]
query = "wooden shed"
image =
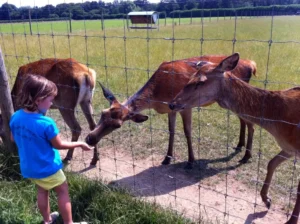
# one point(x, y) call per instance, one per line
point(143, 20)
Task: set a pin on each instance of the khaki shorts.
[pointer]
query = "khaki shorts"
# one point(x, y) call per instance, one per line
point(52, 181)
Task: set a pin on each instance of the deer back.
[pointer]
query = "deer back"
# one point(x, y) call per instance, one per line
point(75, 81)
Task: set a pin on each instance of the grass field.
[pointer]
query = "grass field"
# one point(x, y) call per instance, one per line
point(90, 25)
point(92, 201)
point(125, 60)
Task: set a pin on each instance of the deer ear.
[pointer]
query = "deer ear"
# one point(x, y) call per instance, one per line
point(108, 94)
point(228, 63)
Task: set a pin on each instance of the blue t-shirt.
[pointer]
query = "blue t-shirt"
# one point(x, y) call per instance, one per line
point(32, 133)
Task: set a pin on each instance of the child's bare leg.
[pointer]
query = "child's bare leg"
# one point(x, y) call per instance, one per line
point(64, 203)
point(43, 204)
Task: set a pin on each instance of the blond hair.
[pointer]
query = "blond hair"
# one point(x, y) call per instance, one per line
point(35, 87)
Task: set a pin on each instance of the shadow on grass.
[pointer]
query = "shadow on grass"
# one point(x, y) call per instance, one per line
point(161, 180)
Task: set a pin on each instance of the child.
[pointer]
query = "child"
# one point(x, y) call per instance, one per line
point(37, 139)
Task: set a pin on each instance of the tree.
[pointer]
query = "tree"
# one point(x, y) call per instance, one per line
point(141, 3)
point(46, 11)
point(61, 9)
point(24, 12)
point(190, 4)
point(208, 4)
point(225, 4)
point(126, 7)
point(6, 9)
point(78, 12)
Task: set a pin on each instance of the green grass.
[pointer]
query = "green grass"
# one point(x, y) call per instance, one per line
point(90, 25)
point(142, 50)
point(92, 201)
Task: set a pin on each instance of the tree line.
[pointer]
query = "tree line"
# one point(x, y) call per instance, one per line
point(117, 9)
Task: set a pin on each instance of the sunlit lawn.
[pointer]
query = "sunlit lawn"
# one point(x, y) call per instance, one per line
point(124, 60)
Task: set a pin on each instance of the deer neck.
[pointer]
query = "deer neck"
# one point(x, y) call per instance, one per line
point(248, 102)
point(142, 99)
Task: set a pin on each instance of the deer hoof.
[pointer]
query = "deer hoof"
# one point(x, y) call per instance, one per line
point(268, 202)
point(67, 160)
point(238, 148)
point(167, 160)
point(189, 166)
point(245, 159)
point(94, 161)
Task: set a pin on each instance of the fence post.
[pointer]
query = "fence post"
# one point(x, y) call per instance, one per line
point(5, 105)
point(102, 21)
point(29, 15)
point(70, 22)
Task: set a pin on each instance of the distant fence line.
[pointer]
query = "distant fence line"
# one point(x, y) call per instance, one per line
point(178, 15)
point(200, 12)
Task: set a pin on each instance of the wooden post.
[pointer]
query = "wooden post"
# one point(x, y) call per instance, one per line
point(70, 22)
point(158, 22)
point(29, 15)
point(102, 21)
point(127, 22)
point(6, 105)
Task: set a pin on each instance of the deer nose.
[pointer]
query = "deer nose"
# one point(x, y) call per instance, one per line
point(87, 139)
point(171, 106)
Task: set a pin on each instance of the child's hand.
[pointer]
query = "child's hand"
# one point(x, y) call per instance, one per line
point(86, 147)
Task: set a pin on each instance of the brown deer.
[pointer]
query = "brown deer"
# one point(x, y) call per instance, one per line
point(75, 83)
point(160, 89)
point(276, 111)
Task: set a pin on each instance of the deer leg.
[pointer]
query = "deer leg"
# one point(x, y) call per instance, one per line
point(242, 135)
point(172, 121)
point(295, 215)
point(71, 121)
point(88, 113)
point(187, 126)
point(272, 165)
point(248, 153)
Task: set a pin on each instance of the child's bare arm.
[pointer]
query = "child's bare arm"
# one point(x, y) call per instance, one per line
point(58, 143)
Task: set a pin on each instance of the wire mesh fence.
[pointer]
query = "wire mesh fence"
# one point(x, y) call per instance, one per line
point(218, 188)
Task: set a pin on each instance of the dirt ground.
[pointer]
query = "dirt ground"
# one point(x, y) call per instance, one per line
point(196, 194)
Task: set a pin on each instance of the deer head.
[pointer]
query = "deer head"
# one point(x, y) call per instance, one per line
point(204, 86)
point(112, 118)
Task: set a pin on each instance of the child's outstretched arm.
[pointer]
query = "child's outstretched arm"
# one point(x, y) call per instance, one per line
point(58, 143)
